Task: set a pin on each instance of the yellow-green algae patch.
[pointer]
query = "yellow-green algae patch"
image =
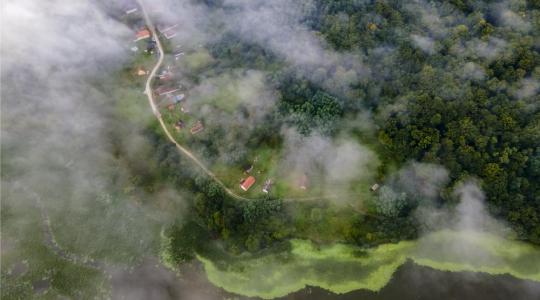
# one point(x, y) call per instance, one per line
point(343, 268)
point(339, 268)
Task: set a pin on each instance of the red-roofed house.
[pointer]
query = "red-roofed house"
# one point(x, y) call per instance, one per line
point(247, 183)
point(142, 34)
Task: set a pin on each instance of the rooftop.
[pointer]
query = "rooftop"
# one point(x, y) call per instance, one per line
point(142, 34)
point(247, 183)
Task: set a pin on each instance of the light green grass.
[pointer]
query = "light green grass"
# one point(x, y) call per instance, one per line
point(197, 61)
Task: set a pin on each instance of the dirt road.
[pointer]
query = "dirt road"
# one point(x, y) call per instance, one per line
point(149, 93)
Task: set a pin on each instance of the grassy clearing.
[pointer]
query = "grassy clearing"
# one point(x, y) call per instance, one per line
point(197, 61)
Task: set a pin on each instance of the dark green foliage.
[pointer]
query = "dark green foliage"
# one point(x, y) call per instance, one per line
point(186, 239)
point(448, 103)
point(307, 107)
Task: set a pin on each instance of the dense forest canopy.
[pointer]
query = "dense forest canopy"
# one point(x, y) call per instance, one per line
point(453, 83)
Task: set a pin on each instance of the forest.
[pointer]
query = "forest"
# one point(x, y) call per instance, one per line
point(464, 97)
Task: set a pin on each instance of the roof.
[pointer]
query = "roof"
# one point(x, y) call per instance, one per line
point(141, 72)
point(142, 34)
point(165, 90)
point(197, 127)
point(247, 183)
point(169, 32)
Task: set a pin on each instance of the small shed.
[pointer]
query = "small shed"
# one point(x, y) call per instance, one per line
point(141, 72)
point(303, 182)
point(179, 125)
point(267, 185)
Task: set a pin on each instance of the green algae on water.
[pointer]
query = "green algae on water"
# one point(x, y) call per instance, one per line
point(338, 268)
point(342, 268)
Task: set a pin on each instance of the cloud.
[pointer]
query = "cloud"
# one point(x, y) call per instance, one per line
point(431, 17)
point(331, 165)
point(472, 71)
point(279, 26)
point(489, 50)
point(149, 280)
point(528, 87)
point(232, 91)
point(421, 180)
point(192, 20)
point(509, 18)
point(61, 123)
point(415, 184)
point(425, 43)
point(471, 213)
point(42, 41)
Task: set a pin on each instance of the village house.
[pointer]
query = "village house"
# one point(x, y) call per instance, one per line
point(142, 34)
point(375, 187)
point(198, 127)
point(165, 75)
point(162, 91)
point(247, 183)
point(168, 32)
point(131, 10)
point(141, 72)
point(267, 185)
point(303, 182)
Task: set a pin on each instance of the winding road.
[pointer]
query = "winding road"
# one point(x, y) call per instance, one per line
point(149, 93)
